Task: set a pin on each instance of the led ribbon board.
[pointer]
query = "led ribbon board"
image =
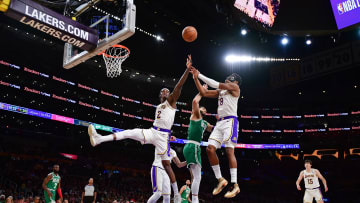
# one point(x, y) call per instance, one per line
point(73, 121)
point(53, 24)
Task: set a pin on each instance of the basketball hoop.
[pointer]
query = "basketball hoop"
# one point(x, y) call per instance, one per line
point(113, 57)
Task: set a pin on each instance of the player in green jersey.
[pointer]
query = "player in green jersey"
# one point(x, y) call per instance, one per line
point(185, 192)
point(51, 184)
point(192, 151)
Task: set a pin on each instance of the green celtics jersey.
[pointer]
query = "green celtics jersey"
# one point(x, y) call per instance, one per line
point(185, 194)
point(196, 130)
point(54, 182)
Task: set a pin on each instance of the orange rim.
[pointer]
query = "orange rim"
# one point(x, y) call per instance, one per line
point(119, 46)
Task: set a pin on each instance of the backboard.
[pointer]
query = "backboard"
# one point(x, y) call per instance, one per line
point(73, 56)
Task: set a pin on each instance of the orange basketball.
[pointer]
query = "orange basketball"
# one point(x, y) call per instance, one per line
point(189, 34)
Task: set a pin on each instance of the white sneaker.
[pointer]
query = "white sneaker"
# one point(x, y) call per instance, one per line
point(177, 198)
point(93, 135)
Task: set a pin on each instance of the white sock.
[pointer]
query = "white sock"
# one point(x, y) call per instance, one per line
point(217, 171)
point(166, 198)
point(233, 173)
point(175, 188)
point(135, 134)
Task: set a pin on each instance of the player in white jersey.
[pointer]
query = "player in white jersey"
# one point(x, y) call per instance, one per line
point(159, 134)
point(160, 180)
point(312, 186)
point(226, 129)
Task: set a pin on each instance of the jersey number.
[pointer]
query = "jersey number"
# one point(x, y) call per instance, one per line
point(310, 181)
point(158, 115)
point(221, 101)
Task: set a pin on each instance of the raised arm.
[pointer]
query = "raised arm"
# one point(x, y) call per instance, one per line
point(174, 96)
point(301, 176)
point(45, 182)
point(203, 92)
point(317, 172)
point(232, 87)
point(178, 163)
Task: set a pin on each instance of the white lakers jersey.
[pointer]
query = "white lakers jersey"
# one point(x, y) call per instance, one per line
point(227, 104)
point(311, 180)
point(164, 116)
point(157, 161)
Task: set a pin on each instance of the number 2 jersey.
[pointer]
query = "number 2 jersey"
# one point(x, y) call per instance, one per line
point(164, 115)
point(311, 180)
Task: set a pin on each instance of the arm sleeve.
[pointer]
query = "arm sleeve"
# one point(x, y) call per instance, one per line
point(212, 83)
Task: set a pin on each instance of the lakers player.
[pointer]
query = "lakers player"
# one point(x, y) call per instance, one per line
point(226, 129)
point(159, 134)
point(51, 185)
point(160, 180)
point(312, 186)
point(192, 151)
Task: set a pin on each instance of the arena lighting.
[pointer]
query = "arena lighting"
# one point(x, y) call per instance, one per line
point(244, 58)
point(308, 42)
point(284, 41)
point(243, 32)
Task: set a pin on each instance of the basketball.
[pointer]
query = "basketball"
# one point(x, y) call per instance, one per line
point(189, 34)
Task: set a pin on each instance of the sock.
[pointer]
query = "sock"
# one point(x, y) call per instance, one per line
point(135, 134)
point(217, 171)
point(233, 173)
point(166, 198)
point(175, 188)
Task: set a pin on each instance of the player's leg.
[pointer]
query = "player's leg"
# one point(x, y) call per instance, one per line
point(318, 196)
point(215, 141)
point(195, 185)
point(308, 198)
point(234, 189)
point(157, 184)
point(166, 188)
point(171, 174)
point(134, 134)
point(230, 131)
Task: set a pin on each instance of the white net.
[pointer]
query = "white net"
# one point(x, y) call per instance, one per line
point(113, 57)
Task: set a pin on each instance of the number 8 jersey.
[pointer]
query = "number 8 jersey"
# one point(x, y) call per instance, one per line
point(311, 180)
point(164, 116)
point(227, 104)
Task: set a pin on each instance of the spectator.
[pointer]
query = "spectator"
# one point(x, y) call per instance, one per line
point(2, 199)
point(10, 199)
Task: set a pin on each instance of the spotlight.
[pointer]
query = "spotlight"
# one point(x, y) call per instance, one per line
point(308, 42)
point(284, 41)
point(243, 32)
point(158, 38)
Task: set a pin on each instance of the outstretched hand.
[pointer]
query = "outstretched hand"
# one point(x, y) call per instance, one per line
point(195, 72)
point(172, 138)
point(205, 86)
point(188, 62)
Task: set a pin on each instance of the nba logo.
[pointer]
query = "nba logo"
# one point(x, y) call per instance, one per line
point(340, 9)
